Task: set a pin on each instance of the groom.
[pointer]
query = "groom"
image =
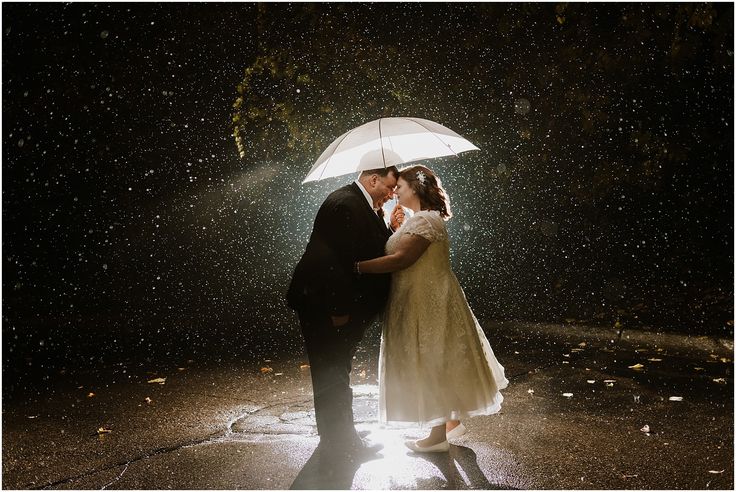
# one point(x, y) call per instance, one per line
point(335, 305)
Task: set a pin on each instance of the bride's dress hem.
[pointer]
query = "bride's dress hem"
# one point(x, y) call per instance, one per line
point(455, 415)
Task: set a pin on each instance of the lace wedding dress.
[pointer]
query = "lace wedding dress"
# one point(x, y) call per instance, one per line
point(435, 362)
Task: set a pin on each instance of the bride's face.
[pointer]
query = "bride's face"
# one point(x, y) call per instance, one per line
point(404, 193)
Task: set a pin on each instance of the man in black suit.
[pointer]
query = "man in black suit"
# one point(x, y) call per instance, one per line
point(336, 305)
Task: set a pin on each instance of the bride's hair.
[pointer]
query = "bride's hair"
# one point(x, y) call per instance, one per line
point(428, 187)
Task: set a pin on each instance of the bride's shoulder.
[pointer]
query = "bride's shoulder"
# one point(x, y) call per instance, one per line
point(432, 216)
point(427, 223)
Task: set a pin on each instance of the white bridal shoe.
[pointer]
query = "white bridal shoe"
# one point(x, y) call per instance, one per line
point(442, 447)
point(458, 431)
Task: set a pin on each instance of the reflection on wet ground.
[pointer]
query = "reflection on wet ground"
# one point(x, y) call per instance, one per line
point(581, 412)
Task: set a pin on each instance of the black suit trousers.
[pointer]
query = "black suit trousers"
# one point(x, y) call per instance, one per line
point(330, 350)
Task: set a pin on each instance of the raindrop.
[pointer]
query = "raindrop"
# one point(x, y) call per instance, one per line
point(548, 228)
point(522, 106)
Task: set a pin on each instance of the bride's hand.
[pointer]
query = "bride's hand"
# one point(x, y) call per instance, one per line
point(397, 217)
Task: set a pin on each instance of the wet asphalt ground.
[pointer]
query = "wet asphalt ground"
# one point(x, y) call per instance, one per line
point(574, 417)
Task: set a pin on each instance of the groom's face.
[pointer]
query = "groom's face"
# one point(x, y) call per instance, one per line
point(383, 190)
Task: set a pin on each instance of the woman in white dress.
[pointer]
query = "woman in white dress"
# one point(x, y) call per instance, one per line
point(436, 365)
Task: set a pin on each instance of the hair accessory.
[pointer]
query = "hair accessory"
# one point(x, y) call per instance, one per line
point(422, 177)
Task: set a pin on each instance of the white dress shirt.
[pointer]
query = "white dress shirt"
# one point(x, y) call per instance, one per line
point(366, 195)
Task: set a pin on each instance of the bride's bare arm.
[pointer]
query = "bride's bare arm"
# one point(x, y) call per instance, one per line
point(409, 249)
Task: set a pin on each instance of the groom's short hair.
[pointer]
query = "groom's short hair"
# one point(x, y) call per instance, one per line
point(381, 171)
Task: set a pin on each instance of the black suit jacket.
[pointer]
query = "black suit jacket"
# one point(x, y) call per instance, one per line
point(346, 230)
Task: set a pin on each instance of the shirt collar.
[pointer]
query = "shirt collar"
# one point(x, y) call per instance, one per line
point(365, 194)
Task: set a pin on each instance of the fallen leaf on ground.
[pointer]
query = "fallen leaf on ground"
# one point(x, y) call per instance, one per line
point(148, 400)
point(675, 398)
point(637, 367)
point(530, 391)
point(582, 344)
point(181, 368)
point(591, 381)
point(567, 395)
point(304, 367)
point(699, 368)
point(279, 374)
point(719, 381)
point(716, 471)
point(158, 380)
point(362, 374)
point(102, 430)
point(724, 359)
point(645, 429)
point(266, 370)
point(90, 395)
point(653, 359)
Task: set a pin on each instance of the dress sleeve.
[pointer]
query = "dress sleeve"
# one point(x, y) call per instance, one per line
point(422, 225)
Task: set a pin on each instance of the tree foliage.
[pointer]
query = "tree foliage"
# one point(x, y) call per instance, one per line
point(605, 132)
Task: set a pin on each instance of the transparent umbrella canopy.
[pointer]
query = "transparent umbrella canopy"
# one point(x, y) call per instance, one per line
point(387, 142)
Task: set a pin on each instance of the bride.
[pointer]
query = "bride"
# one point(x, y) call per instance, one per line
point(436, 366)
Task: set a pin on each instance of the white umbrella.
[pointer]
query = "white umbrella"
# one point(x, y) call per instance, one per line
point(386, 142)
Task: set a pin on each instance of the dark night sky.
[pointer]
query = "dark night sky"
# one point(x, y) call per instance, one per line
point(603, 190)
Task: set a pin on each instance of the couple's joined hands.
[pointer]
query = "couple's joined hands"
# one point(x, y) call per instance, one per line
point(397, 217)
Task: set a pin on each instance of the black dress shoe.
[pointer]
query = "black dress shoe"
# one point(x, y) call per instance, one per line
point(356, 450)
point(362, 447)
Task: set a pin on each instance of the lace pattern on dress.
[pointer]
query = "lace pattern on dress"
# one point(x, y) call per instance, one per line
point(427, 224)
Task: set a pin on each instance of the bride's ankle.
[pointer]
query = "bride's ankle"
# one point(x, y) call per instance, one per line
point(451, 424)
